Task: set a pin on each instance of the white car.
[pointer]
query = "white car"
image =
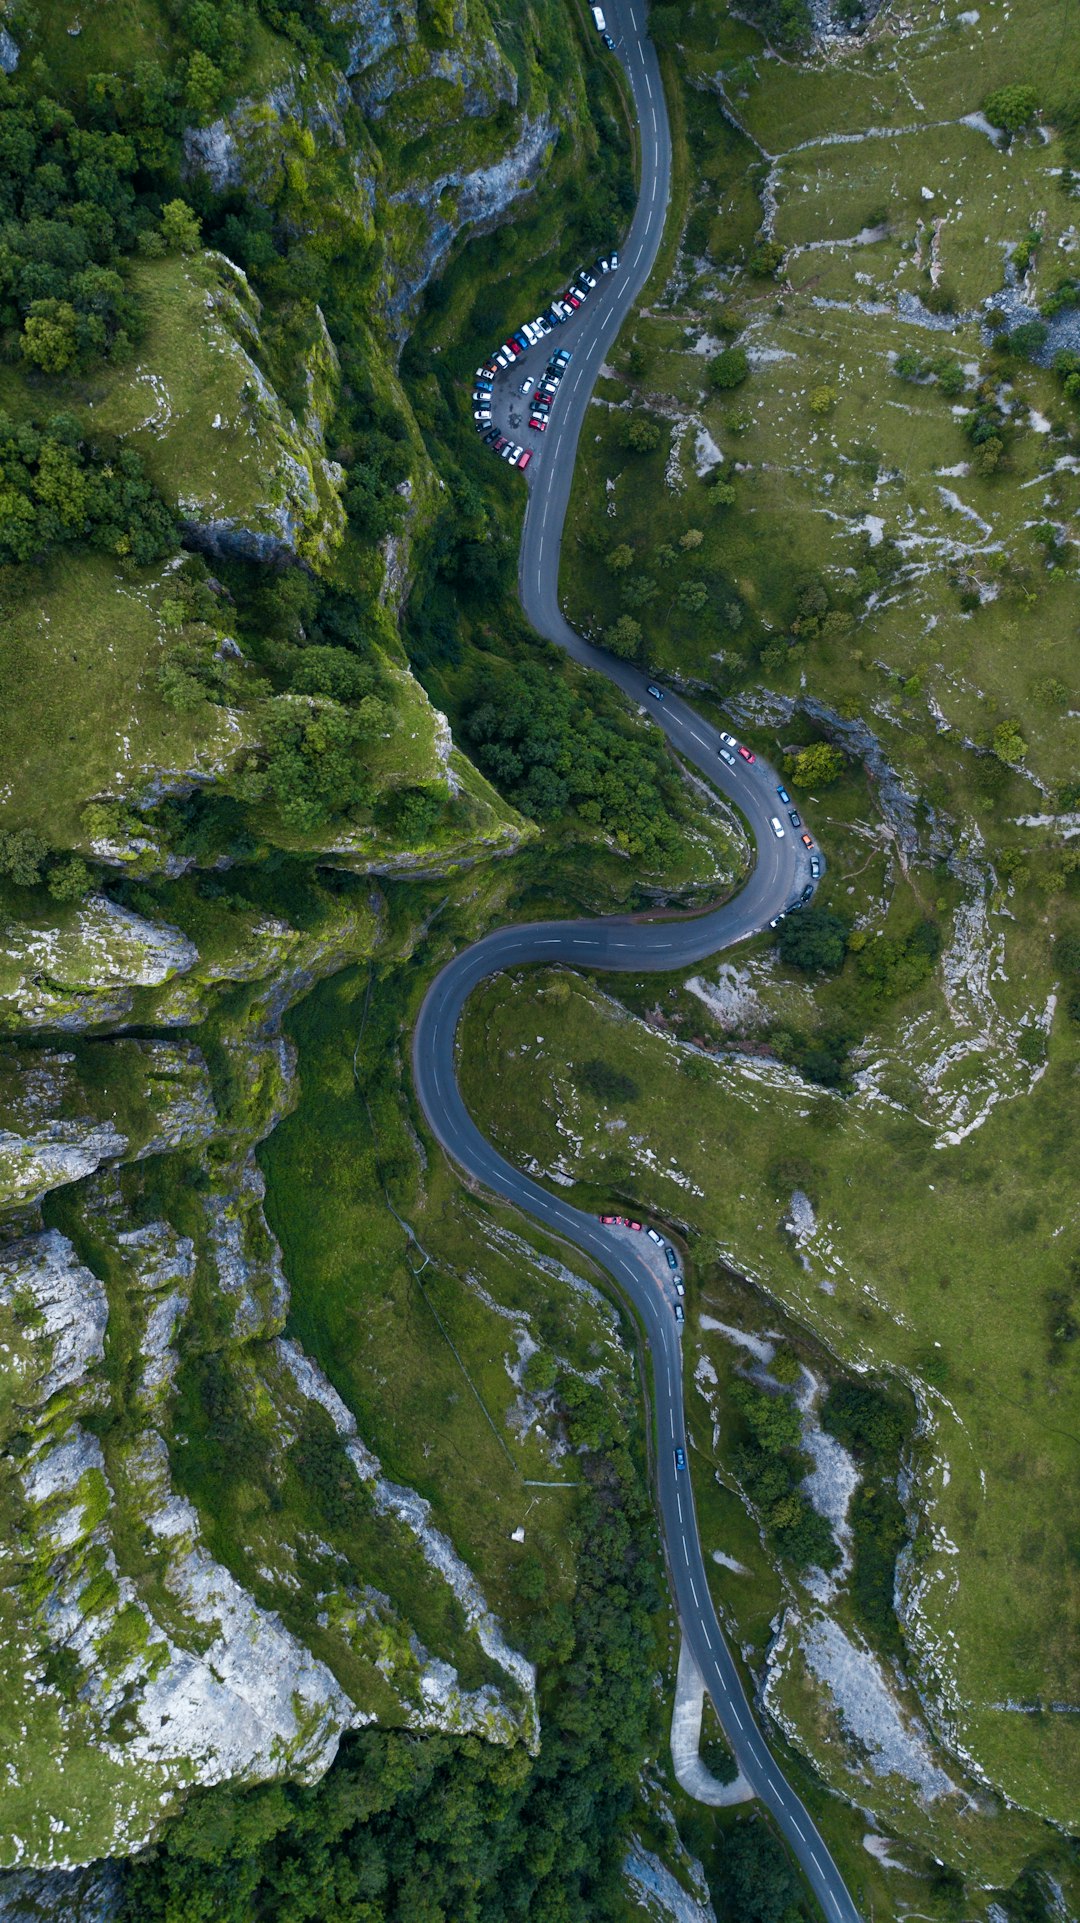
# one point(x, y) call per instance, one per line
point(726, 755)
point(598, 16)
point(728, 740)
point(777, 827)
point(654, 1237)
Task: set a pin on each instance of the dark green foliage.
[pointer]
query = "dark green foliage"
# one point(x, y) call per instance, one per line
point(67, 213)
point(787, 22)
point(1011, 108)
point(870, 1423)
point(550, 753)
point(813, 939)
point(896, 965)
point(771, 1465)
point(1066, 958)
point(751, 1879)
point(729, 368)
point(57, 489)
point(439, 1829)
point(312, 762)
point(1029, 339)
point(607, 1083)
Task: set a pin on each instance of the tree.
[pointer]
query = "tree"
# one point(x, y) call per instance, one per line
point(50, 336)
point(181, 227)
point(619, 559)
point(813, 939)
point(822, 400)
point(641, 434)
point(1009, 744)
point(817, 766)
point(624, 638)
point(1011, 108)
point(1029, 339)
point(766, 259)
point(692, 538)
point(729, 368)
point(22, 853)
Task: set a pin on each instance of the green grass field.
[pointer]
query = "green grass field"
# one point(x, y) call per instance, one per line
point(941, 1265)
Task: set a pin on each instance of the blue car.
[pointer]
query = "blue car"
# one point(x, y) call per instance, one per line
point(680, 1459)
point(657, 693)
point(672, 1258)
point(783, 794)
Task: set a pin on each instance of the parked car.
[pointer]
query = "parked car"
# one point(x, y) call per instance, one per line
point(524, 386)
point(726, 755)
point(598, 16)
point(808, 891)
point(806, 841)
point(680, 1288)
point(680, 1459)
point(486, 372)
point(679, 1312)
point(607, 1220)
point(745, 753)
point(563, 355)
point(614, 262)
point(538, 423)
point(777, 919)
point(491, 436)
point(784, 796)
point(654, 1236)
point(608, 42)
point(581, 291)
point(482, 415)
point(815, 867)
point(525, 457)
point(671, 1258)
point(657, 693)
point(507, 451)
point(728, 740)
point(634, 1225)
point(777, 827)
point(572, 299)
point(513, 348)
point(499, 443)
point(586, 277)
point(794, 817)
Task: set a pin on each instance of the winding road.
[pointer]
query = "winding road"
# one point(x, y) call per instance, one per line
point(633, 945)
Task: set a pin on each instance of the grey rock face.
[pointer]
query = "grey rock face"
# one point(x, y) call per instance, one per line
point(9, 52)
point(482, 197)
point(61, 1896)
point(61, 1306)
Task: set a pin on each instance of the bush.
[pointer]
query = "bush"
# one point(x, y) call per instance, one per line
point(1011, 108)
point(624, 638)
point(606, 1082)
point(817, 766)
point(641, 434)
point(729, 368)
point(813, 939)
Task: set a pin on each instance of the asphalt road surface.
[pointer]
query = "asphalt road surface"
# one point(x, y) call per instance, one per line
point(631, 944)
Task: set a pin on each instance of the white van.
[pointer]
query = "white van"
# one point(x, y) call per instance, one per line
point(777, 828)
point(598, 16)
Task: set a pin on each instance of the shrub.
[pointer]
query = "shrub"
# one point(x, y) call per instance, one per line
point(641, 434)
point(766, 259)
point(181, 228)
point(813, 939)
point(1011, 108)
point(817, 766)
point(606, 1082)
point(729, 368)
point(822, 400)
point(624, 638)
point(1009, 743)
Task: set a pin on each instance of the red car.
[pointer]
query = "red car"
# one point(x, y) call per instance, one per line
point(634, 1225)
point(524, 459)
point(745, 753)
point(806, 841)
point(608, 1220)
point(513, 347)
point(538, 422)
